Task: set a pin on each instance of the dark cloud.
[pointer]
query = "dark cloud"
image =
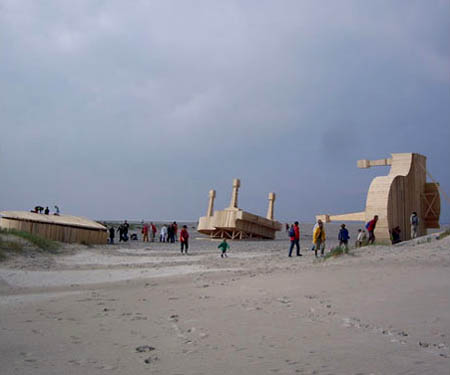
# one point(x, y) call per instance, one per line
point(113, 110)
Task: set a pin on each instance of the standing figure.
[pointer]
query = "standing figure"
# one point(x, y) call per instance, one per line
point(111, 234)
point(145, 233)
point(370, 226)
point(184, 239)
point(224, 247)
point(56, 210)
point(153, 231)
point(163, 234)
point(343, 237)
point(294, 234)
point(126, 226)
point(319, 238)
point(47, 211)
point(170, 237)
point(175, 231)
point(360, 238)
point(414, 220)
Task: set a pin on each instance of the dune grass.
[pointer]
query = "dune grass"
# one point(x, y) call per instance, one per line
point(40, 242)
point(336, 252)
point(444, 234)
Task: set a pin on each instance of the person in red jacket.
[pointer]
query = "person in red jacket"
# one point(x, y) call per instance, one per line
point(294, 234)
point(145, 233)
point(371, 229)
point(184, 239)
point(154, 230)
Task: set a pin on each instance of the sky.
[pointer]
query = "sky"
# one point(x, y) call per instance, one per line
point(135, 110)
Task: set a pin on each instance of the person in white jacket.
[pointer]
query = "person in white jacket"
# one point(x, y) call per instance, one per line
point(163, 234)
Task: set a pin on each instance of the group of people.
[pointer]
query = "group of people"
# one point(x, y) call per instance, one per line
point(169, 233)
point(362, 239)
point(146, 229)
point(319, 237)
point(46, 211)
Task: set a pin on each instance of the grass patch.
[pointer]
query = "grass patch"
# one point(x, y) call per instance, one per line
point(444, 234)
point(336, 252)
point(7, 247)
point(40, 242)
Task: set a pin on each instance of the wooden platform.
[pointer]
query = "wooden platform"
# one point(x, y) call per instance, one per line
point(63, 228)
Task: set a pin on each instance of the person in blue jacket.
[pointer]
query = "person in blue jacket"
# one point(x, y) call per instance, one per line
point(343, 237)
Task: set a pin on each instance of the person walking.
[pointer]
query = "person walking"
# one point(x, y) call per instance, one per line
point(370, 226)
point(184, 239)
point(145, 232)
point(343, 237)
point(153, 231)
point(414, 220)
point(294, 234)
point(319, 238)
point(224, 247)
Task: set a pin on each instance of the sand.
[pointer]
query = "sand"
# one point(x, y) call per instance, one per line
point(146, 309)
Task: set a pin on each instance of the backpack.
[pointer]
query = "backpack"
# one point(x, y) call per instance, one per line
point(368, 225)
point(292, 232)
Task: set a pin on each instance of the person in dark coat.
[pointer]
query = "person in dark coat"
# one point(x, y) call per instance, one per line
point(343, 237)
point(111, 235)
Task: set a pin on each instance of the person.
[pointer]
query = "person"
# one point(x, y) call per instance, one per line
point(343, 237)
point(224, 247)
point(361, 238)
point(175, 231)
point(371, 225)
point(163, 234)
point(287, 227)
point(319, 238)
point(47, 211)
point(56, 210)
point(145, 233)
point(126, 226)
point(170, 237)
point(123, 233)
point(294, 234)
point(153, 231)
point(184, 239)
point(111, 235)
point(414, 220)
point(396, 235)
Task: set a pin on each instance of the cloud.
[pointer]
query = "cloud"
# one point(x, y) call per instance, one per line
point(166, 99)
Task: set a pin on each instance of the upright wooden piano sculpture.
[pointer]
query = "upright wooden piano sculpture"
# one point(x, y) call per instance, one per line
point(394, 197)
point(234, 223)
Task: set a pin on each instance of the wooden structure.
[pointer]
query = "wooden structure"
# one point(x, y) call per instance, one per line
point(63, 228)
point(394, 197)
point(234, 223)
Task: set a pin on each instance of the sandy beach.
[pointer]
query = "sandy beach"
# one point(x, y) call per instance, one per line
point(140, 308)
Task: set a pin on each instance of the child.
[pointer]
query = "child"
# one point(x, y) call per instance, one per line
point(224, 246)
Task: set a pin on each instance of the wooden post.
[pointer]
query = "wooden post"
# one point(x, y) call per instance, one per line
point(270, 208)
point(212, 195)
point(234, 195)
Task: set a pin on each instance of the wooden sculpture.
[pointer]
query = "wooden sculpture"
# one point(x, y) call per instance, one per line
point(234, 223)
point(394, 197)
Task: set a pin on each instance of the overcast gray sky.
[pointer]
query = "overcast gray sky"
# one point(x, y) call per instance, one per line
point(135, 109)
